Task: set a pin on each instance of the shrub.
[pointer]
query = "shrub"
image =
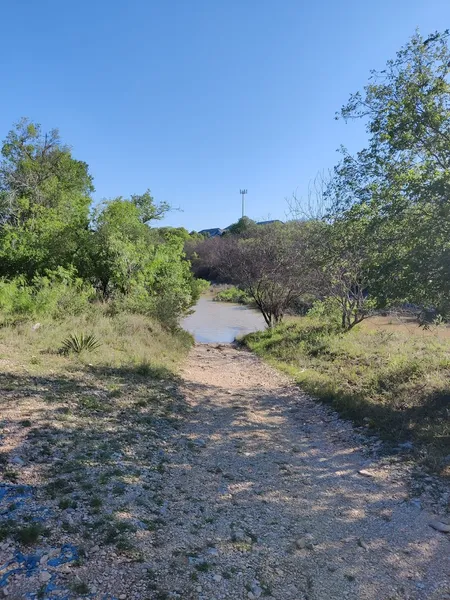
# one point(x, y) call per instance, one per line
point(233, 294)
point(56, 295)
point(79, 343)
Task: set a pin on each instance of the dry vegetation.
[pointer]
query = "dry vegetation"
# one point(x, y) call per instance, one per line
point(81, 447)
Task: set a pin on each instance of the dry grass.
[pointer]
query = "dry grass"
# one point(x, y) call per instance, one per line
point(388, 375)
point(126, 340)
point(405, 325)
point(83, 430)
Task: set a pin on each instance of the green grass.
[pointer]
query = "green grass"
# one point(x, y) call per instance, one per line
point(395, 382)
point(24, 534)
point(80, 587)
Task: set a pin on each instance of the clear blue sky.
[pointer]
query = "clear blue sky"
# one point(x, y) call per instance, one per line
point(197, 98)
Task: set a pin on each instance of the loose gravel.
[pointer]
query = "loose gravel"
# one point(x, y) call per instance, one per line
point(270, 494)
point(238, 488)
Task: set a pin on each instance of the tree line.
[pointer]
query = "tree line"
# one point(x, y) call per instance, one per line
point(60, 251)
point(379, 232)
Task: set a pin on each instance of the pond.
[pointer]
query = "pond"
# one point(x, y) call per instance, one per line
point(221, 322)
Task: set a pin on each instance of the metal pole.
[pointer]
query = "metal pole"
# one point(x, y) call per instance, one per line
point(243, 192)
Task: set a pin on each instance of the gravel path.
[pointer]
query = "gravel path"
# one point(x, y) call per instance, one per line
point(264, 498)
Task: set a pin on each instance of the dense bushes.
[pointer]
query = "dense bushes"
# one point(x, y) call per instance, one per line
point(57, 256)
point(58, 294)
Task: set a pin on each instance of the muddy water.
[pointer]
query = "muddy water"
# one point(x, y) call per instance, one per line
point(221, 321)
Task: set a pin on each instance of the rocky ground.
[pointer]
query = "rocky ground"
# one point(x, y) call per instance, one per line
point(239, 488)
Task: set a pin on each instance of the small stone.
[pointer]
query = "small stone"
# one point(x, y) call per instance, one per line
point(65, 569)
point(44, 577)
point(251, 596)
point(238, 535)
point(122, 597)
point(217, 578)
point(365, 473)
point(36, 326)
point(279, 572)
point(301, 543)
point(305, 542)
point(439, 526)
point(363, 544)
point(16, 460)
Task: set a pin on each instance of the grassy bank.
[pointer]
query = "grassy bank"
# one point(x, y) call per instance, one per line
point(395, 380)
point(81, 459)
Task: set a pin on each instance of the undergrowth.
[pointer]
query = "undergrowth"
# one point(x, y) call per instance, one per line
point(233, 294)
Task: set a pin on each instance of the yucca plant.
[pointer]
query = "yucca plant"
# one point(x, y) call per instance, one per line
point(78, 343)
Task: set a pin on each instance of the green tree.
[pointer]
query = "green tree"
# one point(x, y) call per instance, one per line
point(400, 184)
point(44, 202)
point(147, 208)
point(245, 225)
point(120, 245)
point(142, 269)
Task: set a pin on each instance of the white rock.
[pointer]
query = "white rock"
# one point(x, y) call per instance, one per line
point(365, 473)
point(363, 544)
point(305, 542)
point(44, 577)
point(217, 578)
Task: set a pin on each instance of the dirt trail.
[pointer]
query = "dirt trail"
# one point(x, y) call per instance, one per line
point(264, 499)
